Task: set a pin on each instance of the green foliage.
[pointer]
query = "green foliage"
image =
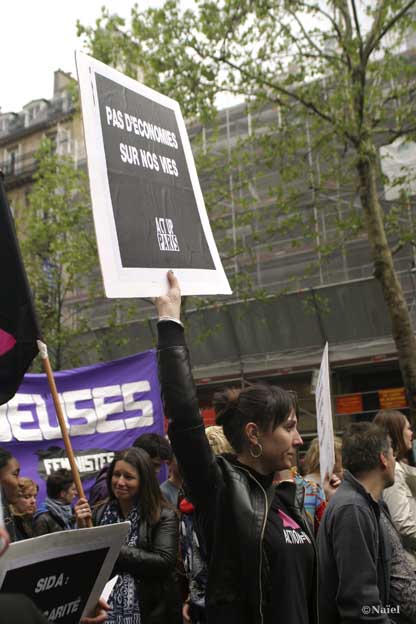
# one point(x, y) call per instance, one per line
point(58, 247)
point(334, 75)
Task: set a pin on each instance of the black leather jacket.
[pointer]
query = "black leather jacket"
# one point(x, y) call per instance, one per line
point(152, 563)
point(231, 505)
point(45, 523)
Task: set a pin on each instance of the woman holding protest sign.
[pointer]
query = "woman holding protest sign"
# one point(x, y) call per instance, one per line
point(260, 547)
point(145, 591)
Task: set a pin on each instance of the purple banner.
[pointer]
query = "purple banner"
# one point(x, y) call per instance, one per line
point(106, 407)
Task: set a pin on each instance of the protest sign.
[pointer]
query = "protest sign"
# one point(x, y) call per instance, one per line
point(324, 418)
point(106, 407)
point(149, 212)
point(63, 573)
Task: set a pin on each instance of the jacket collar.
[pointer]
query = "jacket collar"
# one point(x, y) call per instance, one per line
point(358, 487)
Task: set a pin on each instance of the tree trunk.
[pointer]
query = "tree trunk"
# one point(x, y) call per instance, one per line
point(402, 330)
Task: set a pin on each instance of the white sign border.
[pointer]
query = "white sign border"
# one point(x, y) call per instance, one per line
point(118, 280)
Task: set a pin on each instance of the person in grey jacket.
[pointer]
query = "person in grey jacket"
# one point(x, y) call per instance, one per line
point(354, 549)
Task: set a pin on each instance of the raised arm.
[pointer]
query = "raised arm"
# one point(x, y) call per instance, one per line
point(186, 428)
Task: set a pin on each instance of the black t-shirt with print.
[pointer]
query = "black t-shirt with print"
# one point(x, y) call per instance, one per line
point(290, 555)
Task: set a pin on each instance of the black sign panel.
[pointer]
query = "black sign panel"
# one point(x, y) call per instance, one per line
point(155, 211)
point(59, 587)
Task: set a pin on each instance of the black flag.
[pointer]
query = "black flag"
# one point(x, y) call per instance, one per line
point(18, 324)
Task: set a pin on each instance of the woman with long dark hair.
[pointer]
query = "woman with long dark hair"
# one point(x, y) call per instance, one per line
point(401, 497)
point(145, 592)
point(259, 545)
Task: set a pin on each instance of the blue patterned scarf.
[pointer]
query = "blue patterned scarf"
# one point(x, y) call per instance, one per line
point(124, 599)
point(60, 510)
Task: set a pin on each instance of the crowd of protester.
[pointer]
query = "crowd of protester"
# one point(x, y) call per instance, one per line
point(239, 533)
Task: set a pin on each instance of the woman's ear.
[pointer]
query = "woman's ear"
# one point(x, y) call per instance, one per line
point(252, 433)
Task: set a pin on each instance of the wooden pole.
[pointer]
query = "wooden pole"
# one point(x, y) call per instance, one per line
point(62, 424)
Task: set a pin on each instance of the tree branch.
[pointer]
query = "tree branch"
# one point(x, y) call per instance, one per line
point(373, 39)
point(396, 133)
point(395, 250)
point(357, 26)
point(293, 95)
point(321, 54)
point(393, 21)
point(329, 18)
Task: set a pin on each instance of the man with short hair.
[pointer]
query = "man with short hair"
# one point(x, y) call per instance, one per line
point(157, 446)
point(354, 549)
point(172, 486)
point(56, 514)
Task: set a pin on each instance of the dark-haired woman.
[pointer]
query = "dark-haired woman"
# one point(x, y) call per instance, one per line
point(260, 548)
point(401, 497)
point(9, 483)
point(145, 592)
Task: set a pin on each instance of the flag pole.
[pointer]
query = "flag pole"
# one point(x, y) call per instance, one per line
point(43, 350)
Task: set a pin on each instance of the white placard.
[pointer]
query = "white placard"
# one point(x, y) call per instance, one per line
point(63, 573)
point(108, 588)
point(324, 418)
point(148, 208)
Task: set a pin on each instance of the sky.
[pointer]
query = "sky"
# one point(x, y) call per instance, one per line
point(36, 38)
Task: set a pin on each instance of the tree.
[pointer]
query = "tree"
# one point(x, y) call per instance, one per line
point(58, 246)
point(338, 66)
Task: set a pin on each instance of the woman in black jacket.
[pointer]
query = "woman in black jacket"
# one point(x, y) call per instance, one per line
point(9, 484)
point(145, 592)
point(260, 548)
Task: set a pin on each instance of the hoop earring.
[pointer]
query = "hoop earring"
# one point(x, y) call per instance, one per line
point(258, 453)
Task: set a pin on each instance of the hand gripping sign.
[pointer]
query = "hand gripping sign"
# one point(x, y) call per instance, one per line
point(149, 212)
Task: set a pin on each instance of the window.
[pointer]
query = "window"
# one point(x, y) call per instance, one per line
point(11, 161)
point(53, 138)
point(34, 112)
point(63, 141)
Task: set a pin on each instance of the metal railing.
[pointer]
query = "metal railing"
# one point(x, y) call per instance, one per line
point(26, 164)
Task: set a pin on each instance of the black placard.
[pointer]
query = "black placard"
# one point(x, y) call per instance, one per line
point(155, 211)
point(59, 587)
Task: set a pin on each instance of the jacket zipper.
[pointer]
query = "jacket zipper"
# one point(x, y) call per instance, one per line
point(315, 549)
point(261, 539)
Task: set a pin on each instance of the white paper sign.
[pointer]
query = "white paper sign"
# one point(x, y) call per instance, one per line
point(324, 419)
point(108, 588)
point(63, 573)
point(148, 208)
